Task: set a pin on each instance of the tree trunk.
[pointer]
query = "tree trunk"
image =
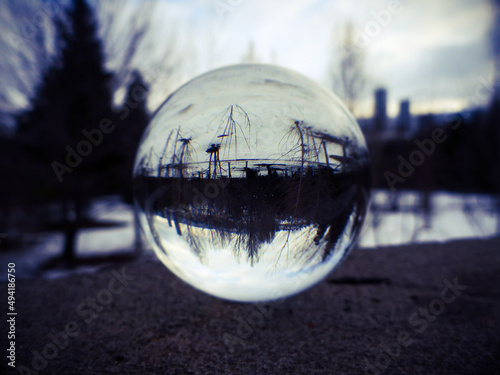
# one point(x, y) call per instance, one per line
point(72, 216)
point(70, 241)
point(137, 235)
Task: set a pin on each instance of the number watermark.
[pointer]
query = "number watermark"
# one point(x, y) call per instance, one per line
point(11, 314)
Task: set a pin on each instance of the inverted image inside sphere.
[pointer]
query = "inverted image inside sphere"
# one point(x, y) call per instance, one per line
point(251, 182)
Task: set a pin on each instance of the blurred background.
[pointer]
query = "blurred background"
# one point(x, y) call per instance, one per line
point(81, 79)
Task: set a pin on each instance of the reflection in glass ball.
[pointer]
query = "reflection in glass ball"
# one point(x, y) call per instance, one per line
point(252, 182)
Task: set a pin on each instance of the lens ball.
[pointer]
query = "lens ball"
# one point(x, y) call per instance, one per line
point(251, 182)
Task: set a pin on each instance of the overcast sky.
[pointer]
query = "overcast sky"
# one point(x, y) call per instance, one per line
point(436, 53)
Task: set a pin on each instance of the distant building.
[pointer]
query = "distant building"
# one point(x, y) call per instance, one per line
point(427, 122)
point(380, 119)
point(404, 117)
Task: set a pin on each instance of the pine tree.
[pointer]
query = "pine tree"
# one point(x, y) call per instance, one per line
point(74, 97)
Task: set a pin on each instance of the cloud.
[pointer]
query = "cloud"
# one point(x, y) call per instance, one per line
point(429, 41)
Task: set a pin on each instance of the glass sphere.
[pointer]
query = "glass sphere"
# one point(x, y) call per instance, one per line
point(252, 182)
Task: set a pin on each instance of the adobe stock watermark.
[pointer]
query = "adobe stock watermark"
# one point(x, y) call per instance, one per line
point(380, 20)
point(418, 322)
point(426, 148)
point(280, 114)
point(84, 148)
point(94, 137)
point(31, 27)
point(417, 157)
point(256, 318)
point(222, 7)
point(247, 325)
point(484, 89)
point(88, 311)
point(211, 191)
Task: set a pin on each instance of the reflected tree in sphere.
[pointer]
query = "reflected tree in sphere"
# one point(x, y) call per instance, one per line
point(252, 182)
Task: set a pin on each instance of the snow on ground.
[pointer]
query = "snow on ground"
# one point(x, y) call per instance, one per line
point(451, 216)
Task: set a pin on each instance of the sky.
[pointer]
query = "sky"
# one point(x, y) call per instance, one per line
point(435, 53)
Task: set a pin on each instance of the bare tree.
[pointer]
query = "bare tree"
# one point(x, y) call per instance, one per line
point(495, 36)
point(250, 55)
point(41, 72)
point(136, 48)
point(347, 71)
point(495, 103)
point(28, 48)
point(129, 34)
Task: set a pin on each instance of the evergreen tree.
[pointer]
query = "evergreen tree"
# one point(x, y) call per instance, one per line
point(69, 161)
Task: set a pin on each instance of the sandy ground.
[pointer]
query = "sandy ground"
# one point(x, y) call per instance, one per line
point(391, 310)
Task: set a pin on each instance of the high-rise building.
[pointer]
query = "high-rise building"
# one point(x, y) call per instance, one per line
point(404, 116)
point(380, 118)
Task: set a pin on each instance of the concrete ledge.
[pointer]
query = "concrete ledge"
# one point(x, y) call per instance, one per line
point(397, 310)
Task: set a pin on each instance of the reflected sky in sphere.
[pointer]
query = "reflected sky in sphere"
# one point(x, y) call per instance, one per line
point(252, 182)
